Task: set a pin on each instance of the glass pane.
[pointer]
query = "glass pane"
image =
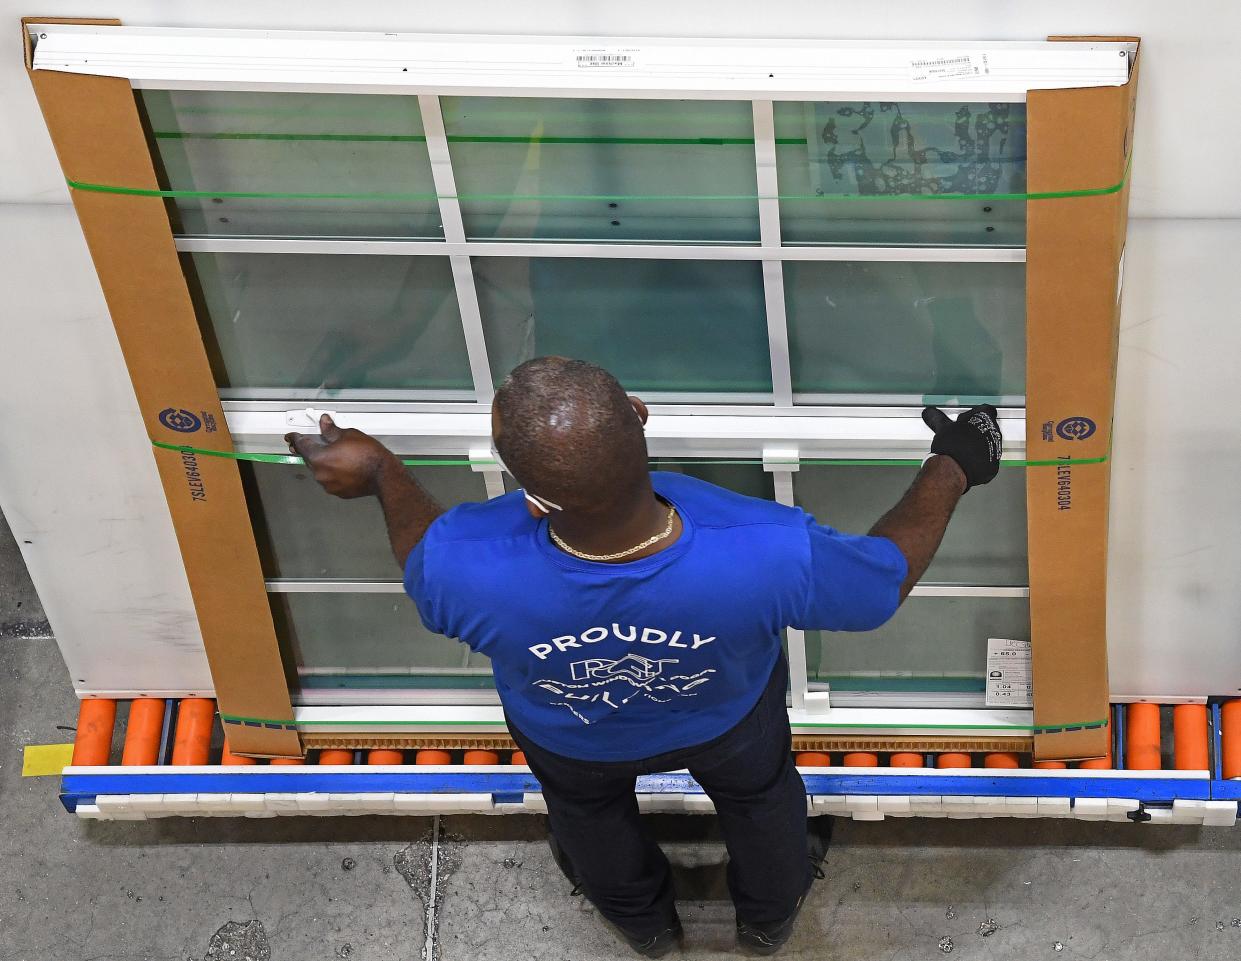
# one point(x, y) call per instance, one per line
point(839, 164)
point(748, 479)
point(315, 145)
point(930, 638)
point(985, 543)
point(604, 170)
point(343, 634)
point(658, 325)
point(943, 333)
point(319, 323)
point(303, 532)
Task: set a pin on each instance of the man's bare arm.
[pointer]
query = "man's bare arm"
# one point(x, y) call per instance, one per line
point(349, 464)
point(918, 521)
point(965, 453)
point(408, 509)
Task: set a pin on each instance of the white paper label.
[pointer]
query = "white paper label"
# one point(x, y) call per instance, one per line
point(1008, 673)
point(944, 68)
point(606, 58)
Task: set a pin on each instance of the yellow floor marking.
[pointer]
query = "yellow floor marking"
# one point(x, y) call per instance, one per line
point(39, 760)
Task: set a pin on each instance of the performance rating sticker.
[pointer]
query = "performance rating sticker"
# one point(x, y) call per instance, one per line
point(1009, 683)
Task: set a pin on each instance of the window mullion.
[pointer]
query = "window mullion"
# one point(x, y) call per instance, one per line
point(769, 239)
point(454, 233)
point(799, 678)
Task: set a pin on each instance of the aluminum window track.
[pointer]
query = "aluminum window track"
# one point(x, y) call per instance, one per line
point(192, 58)
point(489, 719)
point(704, 435)
point(608, 251)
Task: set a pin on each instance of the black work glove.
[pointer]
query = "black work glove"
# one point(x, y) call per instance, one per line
point(973, 440)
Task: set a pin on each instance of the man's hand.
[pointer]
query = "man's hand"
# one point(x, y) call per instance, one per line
point(973, 440)
point(345, 462)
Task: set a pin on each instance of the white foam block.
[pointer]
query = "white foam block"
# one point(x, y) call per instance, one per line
point(447, 804)
point(245, 802)
point(1090, 807)
point(661, 803)
point(150, 803)
point(1220, 814)
point(373, 801)
point(1054, 807)
point(1188, 812)
point(109, 803)
point(180, 803)
point(1020, 806)
point(278, 803)
point(990, 806)
point(311, 802)
point(117, 807)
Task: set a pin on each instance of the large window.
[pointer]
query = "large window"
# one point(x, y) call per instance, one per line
point(788, 284)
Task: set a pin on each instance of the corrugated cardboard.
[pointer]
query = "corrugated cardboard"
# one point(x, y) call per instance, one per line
point(98, 136)
point(1074, 246)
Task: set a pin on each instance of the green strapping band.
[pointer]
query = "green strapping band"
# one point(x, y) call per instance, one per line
point(462, 138)
point(1034, 728)
point(293, 459)
point(261, 195)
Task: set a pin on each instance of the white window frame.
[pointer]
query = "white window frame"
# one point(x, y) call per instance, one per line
point(778, 430)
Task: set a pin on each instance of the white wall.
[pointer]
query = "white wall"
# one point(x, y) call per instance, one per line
point(85, 484)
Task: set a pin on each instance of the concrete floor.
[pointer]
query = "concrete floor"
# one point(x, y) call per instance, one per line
point(299, 889)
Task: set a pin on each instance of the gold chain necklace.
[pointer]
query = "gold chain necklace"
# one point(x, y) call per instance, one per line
point(667, 531)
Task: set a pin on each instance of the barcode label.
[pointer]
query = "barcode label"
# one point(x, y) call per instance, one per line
point(943, 68)
point(608, 59)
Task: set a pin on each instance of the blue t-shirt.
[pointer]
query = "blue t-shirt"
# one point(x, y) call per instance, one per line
point(610, 662)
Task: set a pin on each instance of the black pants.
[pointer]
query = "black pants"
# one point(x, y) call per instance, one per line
point(759, 799)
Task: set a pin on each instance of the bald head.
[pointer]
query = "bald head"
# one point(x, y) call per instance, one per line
point(568, 433)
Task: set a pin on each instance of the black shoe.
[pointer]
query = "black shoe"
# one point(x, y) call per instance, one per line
point(767, 939)
point(565, 865)
point(650, 947)
point(659, 945)
point(819, 836)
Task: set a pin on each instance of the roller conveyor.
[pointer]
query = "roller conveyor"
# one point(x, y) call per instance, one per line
point(166, 744)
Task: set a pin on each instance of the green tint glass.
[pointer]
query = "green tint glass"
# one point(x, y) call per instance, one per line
point(305, 533)
point(929, 332)
point(604, 170)
point(985, 543)
point(317, 323)
point(294, 143)
point(657, 325)
point(748, 479)
point(365, 634)
point(929, 638)
point(843, 166)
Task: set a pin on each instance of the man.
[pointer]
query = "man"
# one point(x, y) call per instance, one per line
point(633, 623)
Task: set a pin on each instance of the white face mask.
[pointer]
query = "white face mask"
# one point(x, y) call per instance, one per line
point(545, 506)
